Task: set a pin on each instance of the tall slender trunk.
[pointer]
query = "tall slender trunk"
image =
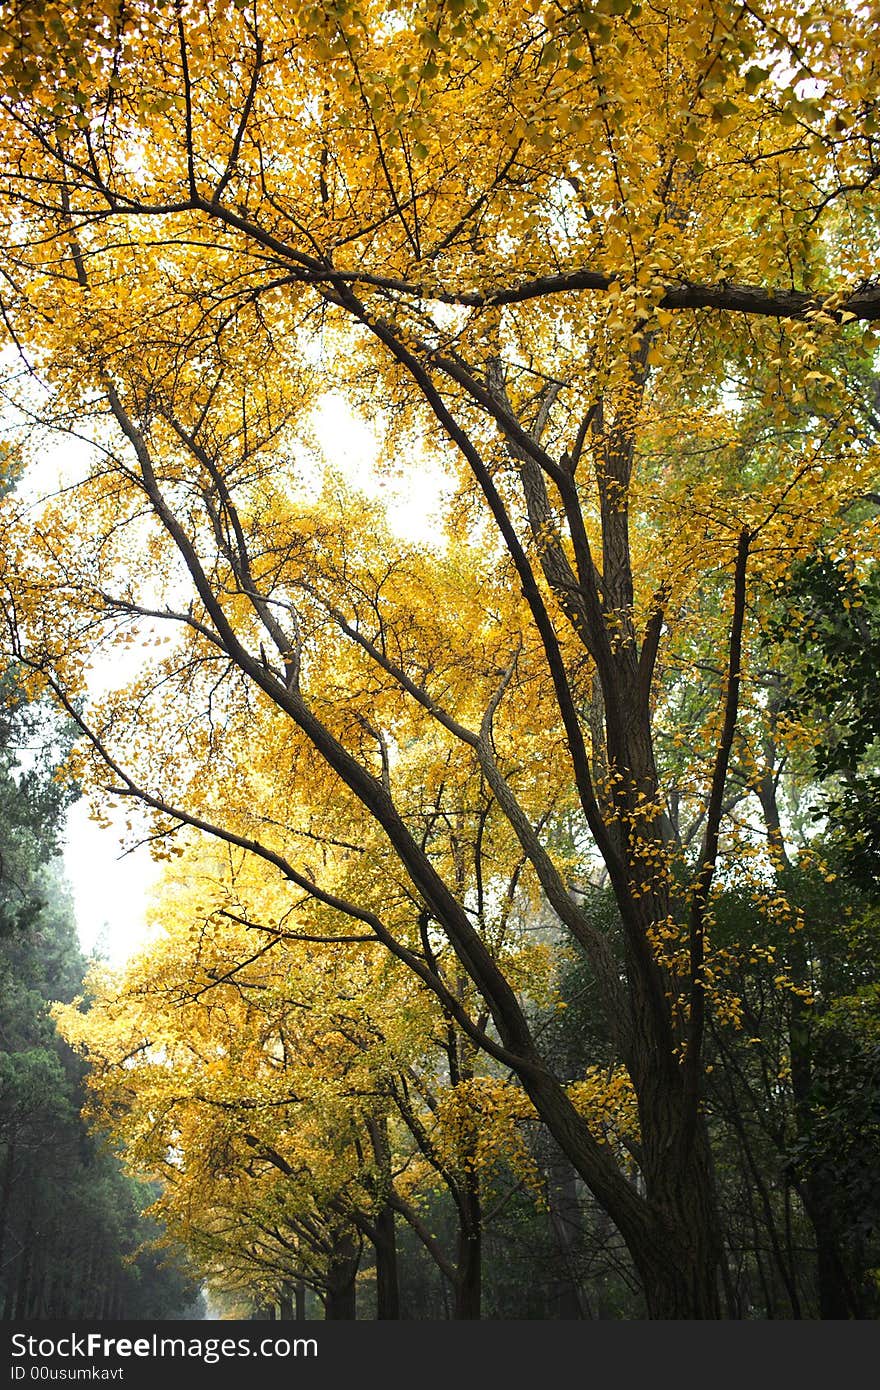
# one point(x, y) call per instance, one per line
point(6, 1195)
point(23, 1291)
point(85, 1282)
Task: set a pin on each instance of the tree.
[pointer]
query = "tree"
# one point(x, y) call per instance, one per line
point(827, 630)
point(552, 246)
point(71, 1235)
point(291, 1104)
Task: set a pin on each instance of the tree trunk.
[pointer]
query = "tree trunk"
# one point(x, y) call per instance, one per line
point(341, 1302)
point(23, 1292)
point(468, 1284)
point(5, 1196)
point(9, 1298)
point(672, 1233)
point(387, 1286)
point(837, 1298)
point(85, 1281)
point(566, 1219)
point(680, 1262)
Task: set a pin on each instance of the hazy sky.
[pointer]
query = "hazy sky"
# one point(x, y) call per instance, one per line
point(109, 891)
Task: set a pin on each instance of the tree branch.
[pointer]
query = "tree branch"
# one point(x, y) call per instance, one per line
point(709, 850)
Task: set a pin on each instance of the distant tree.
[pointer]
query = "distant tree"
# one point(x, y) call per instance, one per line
point(70, 1221)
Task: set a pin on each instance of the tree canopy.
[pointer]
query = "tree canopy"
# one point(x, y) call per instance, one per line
point(609, 273)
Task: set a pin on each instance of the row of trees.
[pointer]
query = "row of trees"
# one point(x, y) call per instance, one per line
point(319, 1125)
point(609, 272)
point(72, 1240)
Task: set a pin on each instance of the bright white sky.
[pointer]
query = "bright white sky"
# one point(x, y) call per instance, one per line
point(109, 892)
